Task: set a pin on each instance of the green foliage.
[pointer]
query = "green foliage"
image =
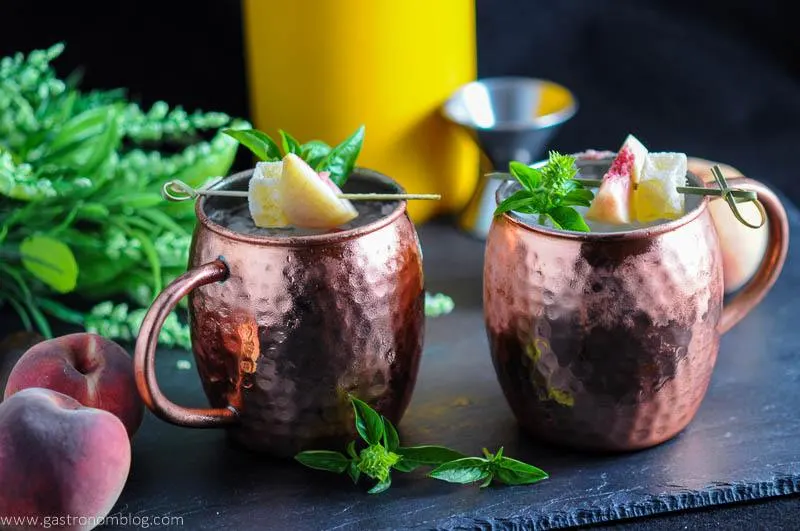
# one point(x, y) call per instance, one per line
point(80, 205)
point(551, 191)
point(382, 454)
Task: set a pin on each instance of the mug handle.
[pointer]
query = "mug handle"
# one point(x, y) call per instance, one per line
point(144, 354)
point(772, 262)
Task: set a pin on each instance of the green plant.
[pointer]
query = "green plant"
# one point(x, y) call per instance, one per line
point(80, 204)
point(382, 453)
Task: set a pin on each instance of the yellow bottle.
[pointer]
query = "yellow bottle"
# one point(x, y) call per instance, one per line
point(320, 68)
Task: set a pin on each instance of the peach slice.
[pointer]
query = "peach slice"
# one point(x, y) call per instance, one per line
point(612, 203)
point(309, 200)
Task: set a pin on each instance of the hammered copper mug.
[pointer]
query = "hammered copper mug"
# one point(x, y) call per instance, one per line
point(284, 328)
point(607, 341)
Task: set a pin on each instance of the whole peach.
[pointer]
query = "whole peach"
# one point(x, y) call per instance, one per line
point(742, 247)
point(59, 460)
point(91, 369)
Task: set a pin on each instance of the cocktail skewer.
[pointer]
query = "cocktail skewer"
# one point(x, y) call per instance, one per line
point(177, 190)
point(732, 196)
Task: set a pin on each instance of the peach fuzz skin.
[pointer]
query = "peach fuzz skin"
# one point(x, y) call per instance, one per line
point(742, 248)
point(93, 370)
point(59, 458)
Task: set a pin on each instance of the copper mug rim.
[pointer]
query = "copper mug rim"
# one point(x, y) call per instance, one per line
point(642, 232)
point(304, 240)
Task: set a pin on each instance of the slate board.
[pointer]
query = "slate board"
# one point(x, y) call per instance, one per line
point(741, 446)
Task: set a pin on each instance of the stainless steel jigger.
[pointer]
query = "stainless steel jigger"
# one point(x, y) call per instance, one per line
point(511, 118)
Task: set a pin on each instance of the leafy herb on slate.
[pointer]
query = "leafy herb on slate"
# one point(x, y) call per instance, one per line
point(383, 454)
point(551, 191)
point(491, 467)
point(339, 161)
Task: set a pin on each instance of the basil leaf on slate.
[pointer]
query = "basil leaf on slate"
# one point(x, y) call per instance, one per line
point(326, 460)
point(513, 472)
point(466, 470)
point(368, 422)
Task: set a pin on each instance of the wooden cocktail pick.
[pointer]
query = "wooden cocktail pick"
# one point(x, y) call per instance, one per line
point(177, 190)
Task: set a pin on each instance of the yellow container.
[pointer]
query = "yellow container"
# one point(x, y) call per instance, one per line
point(320, 68)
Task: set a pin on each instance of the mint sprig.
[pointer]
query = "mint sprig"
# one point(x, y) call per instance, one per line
point(382, 453)
point(339, 161)
point(551, 191)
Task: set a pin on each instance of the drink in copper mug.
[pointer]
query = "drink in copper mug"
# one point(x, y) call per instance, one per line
point(607, 340)
point(285, 323)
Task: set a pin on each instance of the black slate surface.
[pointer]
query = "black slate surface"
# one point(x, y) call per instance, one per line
point(741, 446)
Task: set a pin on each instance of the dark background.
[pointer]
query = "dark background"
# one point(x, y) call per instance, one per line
point(719, 80)
point(715, 79)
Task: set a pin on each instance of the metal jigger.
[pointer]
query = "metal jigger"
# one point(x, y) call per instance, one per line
point(511, 118)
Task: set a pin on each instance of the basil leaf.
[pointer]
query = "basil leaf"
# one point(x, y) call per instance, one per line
point(391, 440)
point(51, 261)
point(324, 460)
point(529, 178)
point(314, 152)
point(427, 455)
point(380, 487)
point(466, 470)
point(256, 141)
point(513, 472)
point(368, 422)
point(488, 480)
point(353, 471)
point(405, 466)
point(342, 159)
point(290, 144)
point(578, 197)
point(568, 218)
point(515, 201)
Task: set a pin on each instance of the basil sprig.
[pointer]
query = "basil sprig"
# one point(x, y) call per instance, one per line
point(339, 161)
point(551, 191)
point(382, 453)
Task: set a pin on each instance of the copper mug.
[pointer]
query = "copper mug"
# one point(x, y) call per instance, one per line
point(607, 341)
point(284, 328)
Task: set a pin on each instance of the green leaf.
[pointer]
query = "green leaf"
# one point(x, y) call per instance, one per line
point(405, 466)
point(426, 455)
point(214, 164)
point(380, 487)
point(568, 218)
point(351, 449)
point(87, 140)
point(515, 201)
point(342, 159)
point(256, 141)
point(391, 440)
point(368, 422)
point(51, 261)
point(353, 471)
point(290, 144)
point(578, 197)
point(314, 152)
point(513, 472)
point(324, 460)
point(59, 311)
point(529, 178)
point(466, 470)
point(488, 480)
